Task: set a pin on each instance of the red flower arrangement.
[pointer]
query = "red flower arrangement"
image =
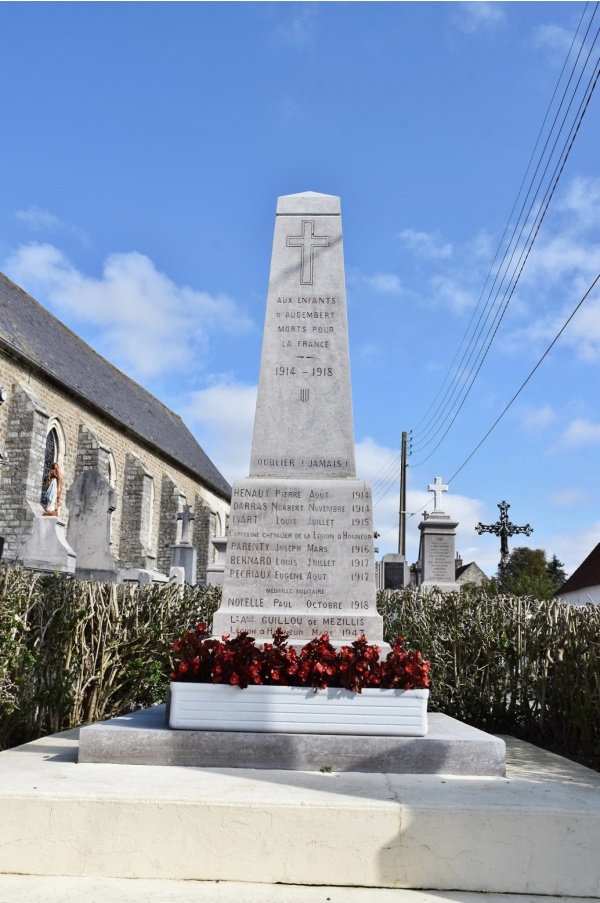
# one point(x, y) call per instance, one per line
point(240, 661)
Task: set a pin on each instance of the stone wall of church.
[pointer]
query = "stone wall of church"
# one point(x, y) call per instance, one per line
point(88, 440)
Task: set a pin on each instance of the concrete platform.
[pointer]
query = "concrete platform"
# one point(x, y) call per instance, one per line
point(143, 738)
point(28, 889)
point(537, 831)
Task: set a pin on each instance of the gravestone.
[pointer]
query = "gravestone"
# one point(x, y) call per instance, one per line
point(437, 549)
point(300, 544)
point(183, 553)
point(91, 501)
point(396, 572)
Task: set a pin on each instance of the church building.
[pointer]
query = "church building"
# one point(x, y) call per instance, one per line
point(97, 477)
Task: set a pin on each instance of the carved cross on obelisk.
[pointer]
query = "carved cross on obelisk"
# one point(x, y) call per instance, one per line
point(503, 528)
point(307, 242)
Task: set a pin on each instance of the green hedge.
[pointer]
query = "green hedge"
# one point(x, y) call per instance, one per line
point(73, 652)
point(508, 664)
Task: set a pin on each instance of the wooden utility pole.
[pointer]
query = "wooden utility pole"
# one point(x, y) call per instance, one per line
point(402, 511)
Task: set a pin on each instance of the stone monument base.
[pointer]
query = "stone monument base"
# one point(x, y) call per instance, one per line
point(98, 575)
point(46, 548)
point(535, 831)
point(185, 556)
point(143, 738)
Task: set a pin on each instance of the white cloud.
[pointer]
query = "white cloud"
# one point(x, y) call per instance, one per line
point(298, 29)
point(581, 202)
point(375, 462)
point(568, 498)
point(573, 548)
point(452, 293)
point(560, 256)
point(145, 323)
point(387, 283)
point(556, 41)
point(38, 220)
point(580, 432)
point(222, 417)
point(481, 247)
point(535, 419)
point(369, 351)
point(475, 16)
point(563, 264)
point(429, 245)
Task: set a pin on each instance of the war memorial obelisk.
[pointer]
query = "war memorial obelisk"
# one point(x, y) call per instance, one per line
point(300, 543)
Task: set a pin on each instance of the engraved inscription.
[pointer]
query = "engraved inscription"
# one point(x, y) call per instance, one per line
point(440, 559)
point(300, 552)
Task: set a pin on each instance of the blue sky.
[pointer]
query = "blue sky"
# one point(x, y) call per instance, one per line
point(144, 147)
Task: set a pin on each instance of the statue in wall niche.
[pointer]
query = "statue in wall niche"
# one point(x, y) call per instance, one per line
point(53, 487)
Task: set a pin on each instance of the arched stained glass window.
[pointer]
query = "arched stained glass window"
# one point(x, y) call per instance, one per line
point(50, 458)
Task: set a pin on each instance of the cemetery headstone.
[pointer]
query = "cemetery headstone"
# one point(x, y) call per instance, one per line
point(91, 501)
point(183, 553)
point(396, 573)
point(300, 543)
point(438, 540)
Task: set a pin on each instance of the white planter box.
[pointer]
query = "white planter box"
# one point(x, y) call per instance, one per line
point(298, 710)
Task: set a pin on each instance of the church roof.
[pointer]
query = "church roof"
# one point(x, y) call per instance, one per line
point(34, 335)
point(586, 575)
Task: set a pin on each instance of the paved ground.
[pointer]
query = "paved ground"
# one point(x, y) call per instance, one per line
point(46, 770)
point(25, 889)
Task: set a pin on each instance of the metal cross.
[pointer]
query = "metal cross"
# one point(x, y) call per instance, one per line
point(307, 242)
point(503, 528)
point(186, 517)
point(437, 487)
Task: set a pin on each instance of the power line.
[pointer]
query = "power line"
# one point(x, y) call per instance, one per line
point(516, 395)
point(462, 377)
point(525, 381)
point(506, 227)
point(524, 255)
point(387, 476)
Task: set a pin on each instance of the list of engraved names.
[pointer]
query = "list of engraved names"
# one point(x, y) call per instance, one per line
point(306, 547)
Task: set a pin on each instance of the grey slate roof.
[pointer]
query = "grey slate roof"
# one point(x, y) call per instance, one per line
point(34, 335)
point(586, 575)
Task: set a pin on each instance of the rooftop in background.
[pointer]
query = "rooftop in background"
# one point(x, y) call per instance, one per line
point(586, 575)
point(37, 338)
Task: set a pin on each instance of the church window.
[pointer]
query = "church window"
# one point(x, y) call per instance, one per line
point(50, 459)
point(112, 470)
point(52, 478)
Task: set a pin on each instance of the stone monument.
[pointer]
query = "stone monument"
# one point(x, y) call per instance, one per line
point(46, 548)
point(300, 544)
point(395, 572)
point(91, 501)
point(437, 548)
point(183, 553)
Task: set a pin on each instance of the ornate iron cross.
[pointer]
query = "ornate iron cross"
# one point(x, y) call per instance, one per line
point(503, 528)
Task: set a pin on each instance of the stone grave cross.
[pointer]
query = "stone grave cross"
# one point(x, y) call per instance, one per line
point(186, 517)
point(437, 487)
